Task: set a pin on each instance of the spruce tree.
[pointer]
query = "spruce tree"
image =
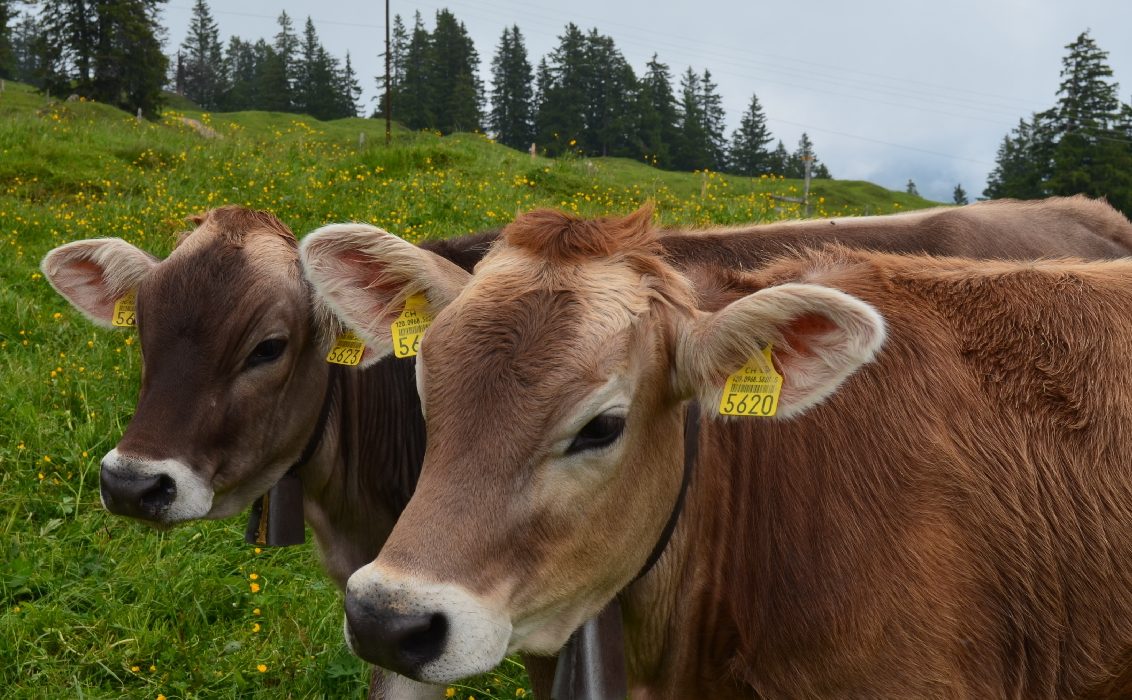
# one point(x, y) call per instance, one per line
point(694, 148)
point(204, 73)
point(796, 163)
point(512, 110)
point(610, 98)
point(71, 29)
point(242, 61)
point(457, 95)
point(562, 93)
point(279, 68)
point(780, 159)
point(659, 131)
point(348, 90)
point(7, 27)
point(414, 95)
point(398, 49)
point(31, 51)
point(711, 106)
point(910, 188)
point(749, 153)
point(959, 195)
point(107, 51)
point(1021, 163)
point(1089, 156)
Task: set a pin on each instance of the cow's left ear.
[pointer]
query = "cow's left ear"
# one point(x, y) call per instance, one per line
point(818, 335)
point(365, 275)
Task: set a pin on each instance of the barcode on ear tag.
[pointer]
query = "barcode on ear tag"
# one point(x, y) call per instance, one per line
point(754, 389)
point(125, 310)
point(347, 350)
point(410, 326)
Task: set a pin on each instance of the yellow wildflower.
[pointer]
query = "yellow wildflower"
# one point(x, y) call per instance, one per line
point(262, 668)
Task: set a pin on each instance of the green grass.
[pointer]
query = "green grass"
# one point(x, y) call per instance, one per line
point(95, 606)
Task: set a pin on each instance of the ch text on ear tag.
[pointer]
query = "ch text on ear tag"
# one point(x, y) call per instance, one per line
point(754, 389)
point(125, 315)
point(347, 350)
point(410, 326)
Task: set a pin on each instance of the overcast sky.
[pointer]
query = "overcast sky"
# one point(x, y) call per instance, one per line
point(887, 89)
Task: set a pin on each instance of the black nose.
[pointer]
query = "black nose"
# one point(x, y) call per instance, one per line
point(144, 497)
point(402, 643)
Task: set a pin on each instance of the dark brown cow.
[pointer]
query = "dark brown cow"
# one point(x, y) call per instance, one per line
point(940, 508)
point(220, 420)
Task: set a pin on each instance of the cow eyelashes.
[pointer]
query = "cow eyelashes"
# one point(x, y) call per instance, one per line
point(601, 431)
point(267, 351)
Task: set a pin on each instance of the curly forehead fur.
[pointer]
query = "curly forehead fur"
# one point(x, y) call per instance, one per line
point(563, 245)
point(233, 223)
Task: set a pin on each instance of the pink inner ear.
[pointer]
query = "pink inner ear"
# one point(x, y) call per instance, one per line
point(801, 331)
point(83, 283)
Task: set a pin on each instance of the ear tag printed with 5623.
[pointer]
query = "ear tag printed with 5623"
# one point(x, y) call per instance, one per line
point(347, 350)
point(410, 326)
point(754, 389)
point(125, 310)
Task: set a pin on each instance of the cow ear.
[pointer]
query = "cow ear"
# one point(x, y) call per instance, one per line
point(819, 336)
point(94, 274)
point(365, 276)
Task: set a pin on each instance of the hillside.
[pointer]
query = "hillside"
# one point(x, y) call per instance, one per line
point(95, 606)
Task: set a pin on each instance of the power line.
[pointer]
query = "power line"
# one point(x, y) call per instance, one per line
point(879, 141)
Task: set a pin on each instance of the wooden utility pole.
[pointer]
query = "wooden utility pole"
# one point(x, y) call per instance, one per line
point(388, 87)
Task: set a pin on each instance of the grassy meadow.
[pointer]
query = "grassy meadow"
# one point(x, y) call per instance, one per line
point(95, 606)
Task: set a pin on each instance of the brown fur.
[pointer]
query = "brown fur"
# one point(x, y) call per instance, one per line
point(366, 470)
point(952, 523)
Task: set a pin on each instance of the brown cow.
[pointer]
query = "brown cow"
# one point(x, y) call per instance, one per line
point(230, 287)
point(940, 508)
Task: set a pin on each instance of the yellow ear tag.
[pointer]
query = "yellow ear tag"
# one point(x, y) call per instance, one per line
point(410, 326)
point(754, 389)
point(125, 315)
point(347, 350)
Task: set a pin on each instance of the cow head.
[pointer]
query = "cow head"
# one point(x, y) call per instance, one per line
point(232, 369)
point(553, 383)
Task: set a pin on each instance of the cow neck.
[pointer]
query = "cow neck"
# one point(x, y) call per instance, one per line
point(691, 453)
point(277, 519)
point(592, 664)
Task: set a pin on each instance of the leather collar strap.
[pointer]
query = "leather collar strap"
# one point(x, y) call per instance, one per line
point(276, 519)
point(592, 664)
point(691, 453)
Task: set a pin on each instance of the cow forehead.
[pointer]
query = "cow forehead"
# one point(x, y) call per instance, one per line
point(210, 284)
point(527, 339)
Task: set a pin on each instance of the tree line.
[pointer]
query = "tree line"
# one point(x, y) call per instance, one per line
point(583, 98)
point(110, 51)
point(1081, 145)
point(104, 50)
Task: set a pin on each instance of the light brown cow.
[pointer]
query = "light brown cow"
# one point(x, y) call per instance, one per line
point(940, 508)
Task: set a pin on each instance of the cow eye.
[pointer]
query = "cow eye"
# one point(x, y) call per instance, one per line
point(600, 432)
point(267, 351)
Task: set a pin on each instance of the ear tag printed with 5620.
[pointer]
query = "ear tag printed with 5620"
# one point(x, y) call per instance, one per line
point(347, 350)
point(125, 310)
point(410, 326)
point(754, 389)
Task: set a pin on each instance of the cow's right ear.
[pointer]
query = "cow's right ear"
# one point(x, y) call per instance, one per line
point(365, 275)
point(94, 274)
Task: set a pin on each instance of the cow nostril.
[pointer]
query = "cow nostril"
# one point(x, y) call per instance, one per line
point(425, 641)
point(160, 495)
point(400, 642)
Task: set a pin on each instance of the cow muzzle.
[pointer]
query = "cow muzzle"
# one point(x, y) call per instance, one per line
point(436, 633)
point(163, 491)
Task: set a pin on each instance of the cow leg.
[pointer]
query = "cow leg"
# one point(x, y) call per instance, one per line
point(540, 669)
point(384, 685)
